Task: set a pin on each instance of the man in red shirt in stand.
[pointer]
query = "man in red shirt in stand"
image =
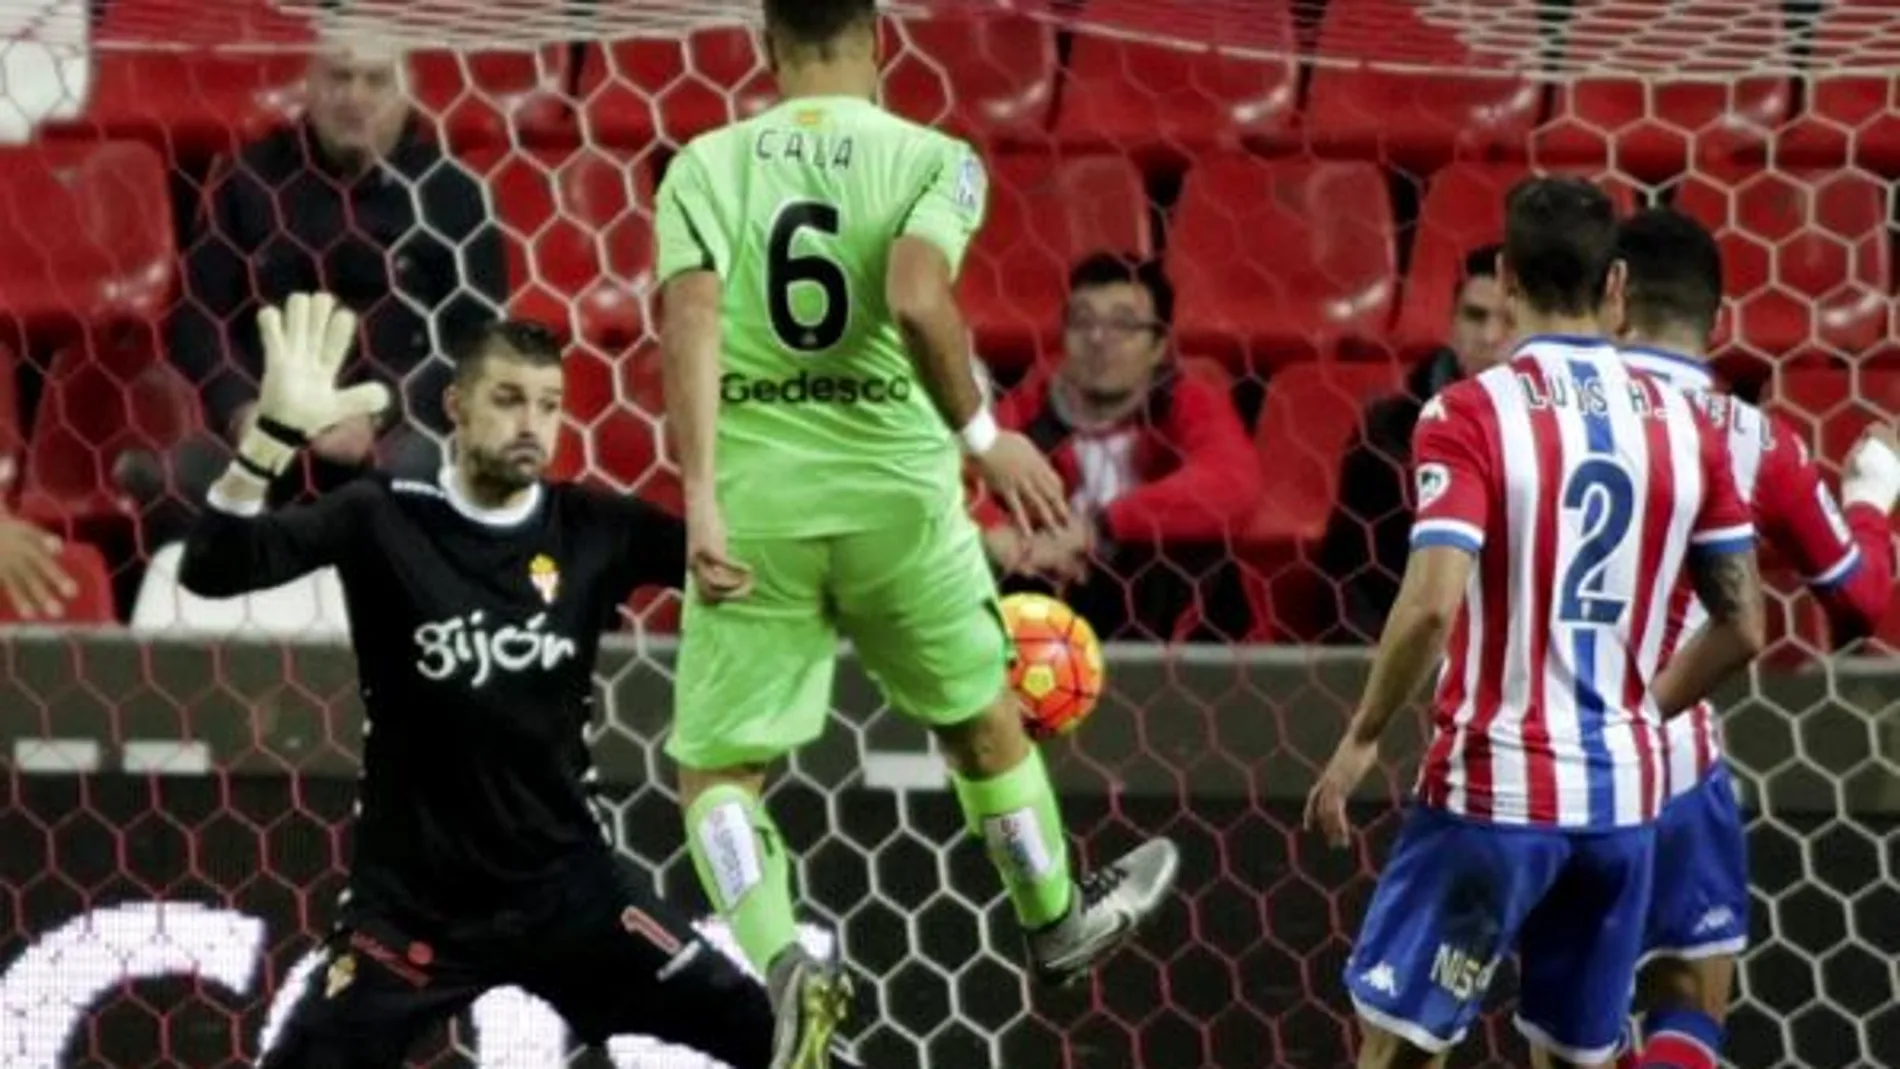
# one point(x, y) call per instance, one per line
point(1159, 468)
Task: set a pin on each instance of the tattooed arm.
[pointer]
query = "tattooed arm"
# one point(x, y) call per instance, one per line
point(1729, 587)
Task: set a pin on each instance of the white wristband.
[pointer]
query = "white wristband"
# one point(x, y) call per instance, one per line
point(980, 433)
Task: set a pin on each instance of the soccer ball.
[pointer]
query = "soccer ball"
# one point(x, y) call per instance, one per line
point(1058, 668)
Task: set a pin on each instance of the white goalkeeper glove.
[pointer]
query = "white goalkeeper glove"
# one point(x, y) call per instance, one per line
point(304, 346)
point(1872, 472)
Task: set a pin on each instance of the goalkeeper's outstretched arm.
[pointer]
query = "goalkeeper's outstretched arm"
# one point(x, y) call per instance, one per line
point(234, 547)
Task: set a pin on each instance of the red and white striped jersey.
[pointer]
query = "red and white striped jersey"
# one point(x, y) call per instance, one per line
point(1580, 486)
point(1846, 557)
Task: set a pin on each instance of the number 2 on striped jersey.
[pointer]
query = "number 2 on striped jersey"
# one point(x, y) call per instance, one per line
point(1602, 491)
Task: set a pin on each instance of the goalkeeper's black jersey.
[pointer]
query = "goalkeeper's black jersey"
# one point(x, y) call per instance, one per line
point(475, 636)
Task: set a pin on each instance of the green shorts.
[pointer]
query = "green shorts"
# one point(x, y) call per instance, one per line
point(917, 600)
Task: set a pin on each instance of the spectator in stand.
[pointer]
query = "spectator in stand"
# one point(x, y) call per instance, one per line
point(1159, 467)
point(1368, 537)
point(356, 200)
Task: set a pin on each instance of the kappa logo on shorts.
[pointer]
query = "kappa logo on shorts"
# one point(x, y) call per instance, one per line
point(342, 973)
point(1432, 480)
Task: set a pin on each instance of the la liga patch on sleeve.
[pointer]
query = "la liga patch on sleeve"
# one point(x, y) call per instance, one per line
point(1430, 481)
point(970, 182)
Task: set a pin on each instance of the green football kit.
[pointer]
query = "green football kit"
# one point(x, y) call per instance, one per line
point(840, 486)
point(839, 482)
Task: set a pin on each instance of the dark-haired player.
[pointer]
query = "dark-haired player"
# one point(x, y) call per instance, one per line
point(1698, 912)
point(1561, 501)
point(813, 346)
point(476, 602)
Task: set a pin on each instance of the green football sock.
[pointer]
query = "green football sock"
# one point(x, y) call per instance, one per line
point(1016, 817)
point(741, 862)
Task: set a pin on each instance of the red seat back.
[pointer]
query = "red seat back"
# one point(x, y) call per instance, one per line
point(1282, 259)
point(1805, 256)
point(634, 89)
point(96, 405)
point(1130, 90)
point(1362, 101)
point(87, 229)
point(579, 229)
point(1653, 127)
point(191, 106)
point(1828, 408)
point(1045, 213)
point(992, 78)
point(479, 99)
point(1849, 117)
point(1311, 413)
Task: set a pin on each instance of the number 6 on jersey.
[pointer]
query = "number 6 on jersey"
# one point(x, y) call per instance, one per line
point(786, 270)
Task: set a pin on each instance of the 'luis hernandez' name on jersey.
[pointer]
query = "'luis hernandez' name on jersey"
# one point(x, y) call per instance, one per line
point(475, 633)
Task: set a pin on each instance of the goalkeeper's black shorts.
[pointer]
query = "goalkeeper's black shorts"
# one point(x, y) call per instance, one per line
point(610, 958)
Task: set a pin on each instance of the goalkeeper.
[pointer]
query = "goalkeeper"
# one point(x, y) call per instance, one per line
point(476, 601)
point(815, 361)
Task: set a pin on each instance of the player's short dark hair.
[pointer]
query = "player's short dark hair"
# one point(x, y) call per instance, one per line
point(1675, 271)
point(1560, 240)
point(516, 339)
point(816, 23)
point(1481, 262)
point(1114, 269)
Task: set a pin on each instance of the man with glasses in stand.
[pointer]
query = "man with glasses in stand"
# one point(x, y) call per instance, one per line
point(1158, 466)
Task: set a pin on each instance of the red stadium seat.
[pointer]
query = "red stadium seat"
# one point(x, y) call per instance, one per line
point(1311, 412)
point(12, 442)
point(1828, 408)
point(87, 229)
point(1310, 415)
point(124, 24)
point(1045, 214)
point(1805, 258)
point(1282, 259)
point(1000, 72)
point(614, 434)
point(1850, 118)
point(494, 98)
point(191, 106)
point(990, 78)
point(1463, 209)
point(1422, 118)
point(97, 405)
point(92, 601)
point(1140, 96)
point(579, 226)
point(636, 89)
point(1651, 128)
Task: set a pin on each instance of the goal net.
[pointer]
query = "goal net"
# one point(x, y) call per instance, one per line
point(1312, 173)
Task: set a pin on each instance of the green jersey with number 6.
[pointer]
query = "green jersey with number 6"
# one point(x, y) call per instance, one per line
point(824, 427)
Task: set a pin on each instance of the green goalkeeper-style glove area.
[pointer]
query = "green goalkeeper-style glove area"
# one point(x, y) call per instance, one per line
point(305, 342)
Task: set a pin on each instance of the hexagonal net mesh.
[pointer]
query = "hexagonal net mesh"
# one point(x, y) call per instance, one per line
point(1312, 175)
